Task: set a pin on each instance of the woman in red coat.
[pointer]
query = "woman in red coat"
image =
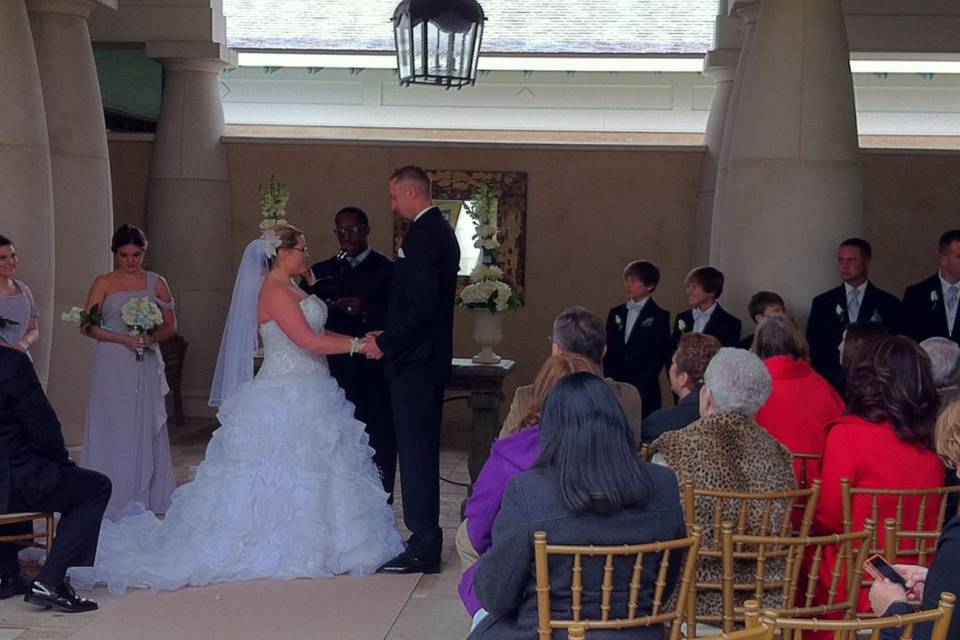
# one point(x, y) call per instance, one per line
point(885, 441)
point(802, 402)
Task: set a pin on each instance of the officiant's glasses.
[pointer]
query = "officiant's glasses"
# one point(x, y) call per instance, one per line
point(352, 230)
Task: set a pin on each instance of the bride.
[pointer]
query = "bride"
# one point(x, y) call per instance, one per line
point(287, 488)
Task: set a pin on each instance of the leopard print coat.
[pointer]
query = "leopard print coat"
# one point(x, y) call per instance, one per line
point(729, 451)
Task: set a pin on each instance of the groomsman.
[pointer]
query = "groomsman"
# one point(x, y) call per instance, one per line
point(704, 287)
point(856, 300)
point(417, 346)
point(356, 286)
point(930, 306)
point(638, 335)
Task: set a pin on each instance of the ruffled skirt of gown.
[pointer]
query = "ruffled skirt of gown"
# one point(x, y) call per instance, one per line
point(287, 489)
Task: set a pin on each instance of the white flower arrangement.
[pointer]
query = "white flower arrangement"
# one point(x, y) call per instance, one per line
point(272, 241)
point(143, 317)
point(273, 201)
point(487, 289)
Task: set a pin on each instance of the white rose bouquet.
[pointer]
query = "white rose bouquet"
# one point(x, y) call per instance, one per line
point(143, 317)
point(86, 319)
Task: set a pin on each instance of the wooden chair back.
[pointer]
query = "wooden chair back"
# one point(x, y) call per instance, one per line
point(794, 551)
point(753, 629)
point(576, 632)
point(802, 463)
point(668, 551)
point(791, 628)
point(31, 536)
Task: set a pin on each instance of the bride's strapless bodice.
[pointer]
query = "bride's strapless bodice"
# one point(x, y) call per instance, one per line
point(282, 355)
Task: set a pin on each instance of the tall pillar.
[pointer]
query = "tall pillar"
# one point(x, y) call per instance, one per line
point(26, 197)
point(723, 75)
point(83, 203)
point(188, 214)
point(747, 11)
point(793, 188)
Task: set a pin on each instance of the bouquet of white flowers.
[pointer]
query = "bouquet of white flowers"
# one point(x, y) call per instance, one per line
point(85, 319)
point(143, 317)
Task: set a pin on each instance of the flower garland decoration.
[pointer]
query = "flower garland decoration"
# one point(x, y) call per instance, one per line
point(488, 288)
point(273, 199)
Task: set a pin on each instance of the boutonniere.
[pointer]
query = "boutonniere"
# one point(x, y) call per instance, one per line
point(840, 312)
point(619, 322)
point(934, 299)
point(400, 253)
point(681, 326)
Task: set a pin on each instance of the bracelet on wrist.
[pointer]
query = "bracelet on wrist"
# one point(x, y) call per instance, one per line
point(354, 346)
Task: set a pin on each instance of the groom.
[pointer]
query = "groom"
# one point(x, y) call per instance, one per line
point(417, 345)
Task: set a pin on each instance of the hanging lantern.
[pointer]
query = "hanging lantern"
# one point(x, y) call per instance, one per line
point(438, 41)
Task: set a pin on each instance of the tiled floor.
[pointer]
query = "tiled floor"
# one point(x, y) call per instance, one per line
point(433, 611)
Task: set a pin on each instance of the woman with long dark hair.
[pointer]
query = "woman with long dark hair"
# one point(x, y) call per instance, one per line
point(587, 487)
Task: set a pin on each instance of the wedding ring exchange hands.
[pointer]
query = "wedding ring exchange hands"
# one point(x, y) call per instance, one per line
point(369, 346)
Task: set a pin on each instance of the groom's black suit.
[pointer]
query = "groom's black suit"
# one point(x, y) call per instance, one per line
point(36, 473)
point(418, 346)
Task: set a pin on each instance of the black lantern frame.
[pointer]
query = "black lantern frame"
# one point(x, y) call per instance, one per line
point(438, 41)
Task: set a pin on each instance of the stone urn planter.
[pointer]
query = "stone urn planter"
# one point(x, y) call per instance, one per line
point(487, 333)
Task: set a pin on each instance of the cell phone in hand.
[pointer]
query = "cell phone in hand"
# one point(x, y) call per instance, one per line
point(878, 568)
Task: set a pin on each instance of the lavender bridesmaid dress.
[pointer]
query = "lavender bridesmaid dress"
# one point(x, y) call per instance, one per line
point(126, 433)
point(19, 308)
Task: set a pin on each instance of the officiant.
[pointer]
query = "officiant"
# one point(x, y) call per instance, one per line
point(355, 284)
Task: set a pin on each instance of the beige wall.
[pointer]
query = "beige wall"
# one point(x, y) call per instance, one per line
point(590, 211)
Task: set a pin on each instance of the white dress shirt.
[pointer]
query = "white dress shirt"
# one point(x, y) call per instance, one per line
point(634, 307)
point(701, 318)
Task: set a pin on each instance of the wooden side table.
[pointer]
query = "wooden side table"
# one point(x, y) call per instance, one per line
point(484, 382)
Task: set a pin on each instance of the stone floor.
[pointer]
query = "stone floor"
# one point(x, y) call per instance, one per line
point(433, 610)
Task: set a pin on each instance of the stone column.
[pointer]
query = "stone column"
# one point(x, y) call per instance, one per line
point(723, 75)
point(747, 11)
point(793, 187)
point(26, 198)
point(188, 214)
point(83, 200)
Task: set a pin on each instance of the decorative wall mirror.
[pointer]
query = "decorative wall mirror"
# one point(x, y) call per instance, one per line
point(452, 189)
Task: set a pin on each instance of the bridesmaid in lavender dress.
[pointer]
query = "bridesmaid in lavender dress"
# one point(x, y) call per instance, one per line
point(16, 304)
point(126, 431)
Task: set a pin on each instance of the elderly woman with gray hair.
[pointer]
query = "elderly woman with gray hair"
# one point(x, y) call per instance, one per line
point(727, 450)
point(945, 365)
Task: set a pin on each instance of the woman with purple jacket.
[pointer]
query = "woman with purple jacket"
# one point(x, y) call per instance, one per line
point(508, 457)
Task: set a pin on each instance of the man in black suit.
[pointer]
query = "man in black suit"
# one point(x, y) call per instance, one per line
point(705, 315)
point(638, 335)
point(856, 300)
point(36, 474)
point(417, 345)
point(930, 306)
point(356, 286)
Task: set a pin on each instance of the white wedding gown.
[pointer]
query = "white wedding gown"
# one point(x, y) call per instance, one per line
point(287, 489)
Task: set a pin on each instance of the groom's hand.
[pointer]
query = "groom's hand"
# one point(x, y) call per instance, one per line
point(370, 347)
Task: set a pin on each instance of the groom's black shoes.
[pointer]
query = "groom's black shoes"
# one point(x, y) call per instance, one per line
point(63, 598)
point(409, 562)
point(13, 585)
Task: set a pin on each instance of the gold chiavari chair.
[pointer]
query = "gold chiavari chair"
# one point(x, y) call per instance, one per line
point(753, 629)
point(30, 516)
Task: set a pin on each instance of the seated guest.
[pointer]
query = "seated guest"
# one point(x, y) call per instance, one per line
point(802, 403)
point(855, 300)
point(638, 335)
point(727, 450)
point(931, 307)
point(686, 377)
point(508, 457)
point(587, 487)
point(884, 441)
point(704, 287)
point(888, 598)
point(854, 337)
point(945, 365)
point(578, 330)
point(763, 304)
point(36, 474)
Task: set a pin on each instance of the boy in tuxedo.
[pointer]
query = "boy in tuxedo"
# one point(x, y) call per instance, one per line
point(763, 304)
point(705, 315)
point(638, 335)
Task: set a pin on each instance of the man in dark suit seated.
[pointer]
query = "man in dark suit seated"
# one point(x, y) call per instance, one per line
point(638, 335)
point(355, 284)
point(705, 315)
point(855, 300)
point(930, 306)
point(36, 474)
